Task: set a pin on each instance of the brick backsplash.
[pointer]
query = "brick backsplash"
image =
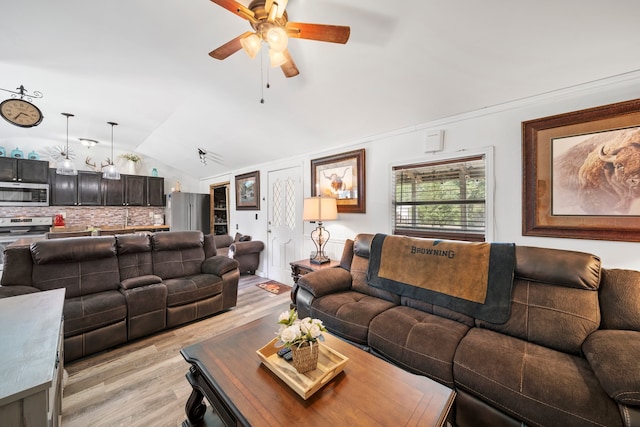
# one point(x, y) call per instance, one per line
point(90, 216)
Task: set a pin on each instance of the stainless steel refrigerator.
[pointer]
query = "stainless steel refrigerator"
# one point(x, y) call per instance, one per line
point(188, 211)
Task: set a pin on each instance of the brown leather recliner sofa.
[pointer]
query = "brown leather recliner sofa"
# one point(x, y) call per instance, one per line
point(123, 287)
point(568, 355)
point(241, 248)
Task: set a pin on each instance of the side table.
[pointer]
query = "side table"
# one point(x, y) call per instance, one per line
point(302, 267)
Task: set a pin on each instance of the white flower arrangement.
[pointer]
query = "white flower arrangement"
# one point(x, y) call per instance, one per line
point(294, 331)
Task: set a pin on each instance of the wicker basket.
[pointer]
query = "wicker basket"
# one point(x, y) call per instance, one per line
point(305, 357)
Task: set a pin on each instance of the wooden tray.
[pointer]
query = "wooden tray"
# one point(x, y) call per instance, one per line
point(330, 364)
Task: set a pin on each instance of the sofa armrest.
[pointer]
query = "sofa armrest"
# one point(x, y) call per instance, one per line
point(249, 247)
point(137, 282)
point(613, 356)
point(326, 281)
point(14, 291)
point(218, 265)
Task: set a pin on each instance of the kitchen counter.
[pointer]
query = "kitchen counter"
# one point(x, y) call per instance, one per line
point(114, 227)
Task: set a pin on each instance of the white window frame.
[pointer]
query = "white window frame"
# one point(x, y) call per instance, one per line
point(486, 152)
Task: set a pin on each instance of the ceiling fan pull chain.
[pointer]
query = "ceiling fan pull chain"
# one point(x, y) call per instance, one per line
point(262, 77)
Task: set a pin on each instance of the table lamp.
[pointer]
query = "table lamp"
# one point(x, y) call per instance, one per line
point(319, 209)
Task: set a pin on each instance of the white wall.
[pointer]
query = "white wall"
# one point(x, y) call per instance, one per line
point(498, 126)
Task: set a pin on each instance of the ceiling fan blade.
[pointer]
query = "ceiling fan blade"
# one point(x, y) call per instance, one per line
point(229, 48)
point(320, 32)
point(289, 68)
point(235, 8)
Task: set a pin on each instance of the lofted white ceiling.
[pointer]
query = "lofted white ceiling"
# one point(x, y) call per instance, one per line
point(145, 65)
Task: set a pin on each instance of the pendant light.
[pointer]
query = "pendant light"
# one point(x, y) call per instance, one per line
point(110, 171)
point(67, 167)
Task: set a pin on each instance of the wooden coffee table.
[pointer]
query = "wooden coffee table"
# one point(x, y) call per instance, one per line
point(228, 372)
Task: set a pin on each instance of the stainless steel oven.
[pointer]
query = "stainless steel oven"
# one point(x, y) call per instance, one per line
point(16, 228)
point(23, 194)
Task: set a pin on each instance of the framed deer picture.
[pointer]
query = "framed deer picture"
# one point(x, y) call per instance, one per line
point(341, 176)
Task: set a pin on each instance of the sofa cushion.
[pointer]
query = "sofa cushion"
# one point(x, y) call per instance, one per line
point(140, 281)
point(188, 289)
point(613, 355)
point(222, 241)
point(359, 268)
point(620, 299)
point(79, 249)
point(78, 277)
point(17, 265)
point(557, 317)
point(558, 267)
point(88, 312)
point(406, 336)
point(133, 265)
point(133, 243)
point(534, 384)
point(348, 314)
point(177, 240)
point(437, 310)
point(134, 255)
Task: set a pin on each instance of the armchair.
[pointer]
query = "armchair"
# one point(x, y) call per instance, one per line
point(242, 249)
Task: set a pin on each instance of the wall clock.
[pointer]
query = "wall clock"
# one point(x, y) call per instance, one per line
point(20, 113)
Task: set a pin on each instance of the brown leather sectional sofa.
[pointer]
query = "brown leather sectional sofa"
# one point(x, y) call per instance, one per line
point(567, 356)
point(123, 287)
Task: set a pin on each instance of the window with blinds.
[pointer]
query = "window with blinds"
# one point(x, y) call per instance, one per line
point(442, 200)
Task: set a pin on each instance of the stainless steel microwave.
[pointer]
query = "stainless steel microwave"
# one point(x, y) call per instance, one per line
point(23, 194)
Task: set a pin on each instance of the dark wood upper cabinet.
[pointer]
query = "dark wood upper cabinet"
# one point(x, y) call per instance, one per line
point(24, 170)
point(113, 192)
point(75, 190)
point(155, 191)
point(135, 187)
point(63, 189)
point(89, 188)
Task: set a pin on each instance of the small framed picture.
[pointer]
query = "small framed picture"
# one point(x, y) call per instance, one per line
point(248, 191)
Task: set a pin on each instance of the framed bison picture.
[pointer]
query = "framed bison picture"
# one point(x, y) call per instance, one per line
point(581, 174)
point(341, 176)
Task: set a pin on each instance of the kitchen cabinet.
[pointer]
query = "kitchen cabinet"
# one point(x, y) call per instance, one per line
point(63, 189)
point(135, 190)
point(24, 170)
point(75, 190)
point(113, 192)
point(155, 191)
point(89, 188)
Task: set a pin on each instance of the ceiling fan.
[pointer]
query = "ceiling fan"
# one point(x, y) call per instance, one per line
point(270, 23)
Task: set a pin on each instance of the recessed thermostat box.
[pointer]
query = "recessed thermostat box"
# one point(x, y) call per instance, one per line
point(434, 141)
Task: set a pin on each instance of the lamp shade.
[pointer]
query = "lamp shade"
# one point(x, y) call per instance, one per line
point(251, 45)
point(277, 38)
point(66, 168)
point(110, 172)
point(319, 209)
point(277, 58)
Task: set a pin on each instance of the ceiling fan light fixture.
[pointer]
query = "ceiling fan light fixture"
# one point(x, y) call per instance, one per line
point(277, 38)
point(277, 58)
point(251, 45)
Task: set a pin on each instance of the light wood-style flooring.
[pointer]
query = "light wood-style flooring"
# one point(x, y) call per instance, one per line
point(143, 383)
